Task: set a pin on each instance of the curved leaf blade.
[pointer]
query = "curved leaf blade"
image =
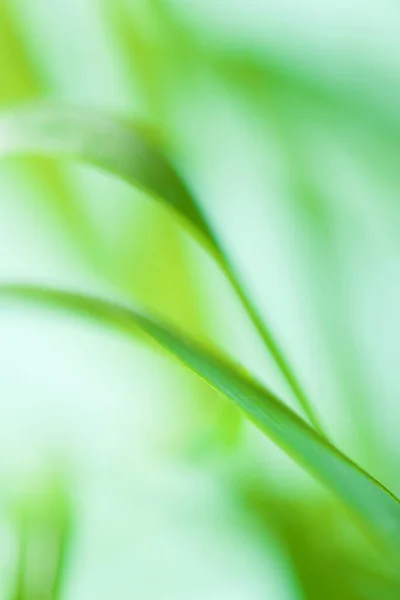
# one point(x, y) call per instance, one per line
point(127, 150)
point(117, 146)
point(375, 507)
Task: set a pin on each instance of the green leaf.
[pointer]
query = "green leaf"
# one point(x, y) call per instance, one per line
point(120, 147)
point(20, 80)
point(364, 572)
point(129, 151)
point(376, 508)
point(43, 523)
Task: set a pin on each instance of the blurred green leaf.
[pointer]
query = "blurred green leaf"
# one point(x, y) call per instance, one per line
point(22, 80)
point(43, 524)
point(18, 78)
point(119, 147)
point(334, 562)
point(130, 151)
point(158, 63)
point(258, 76)
point(158, 52)
point(374, 506)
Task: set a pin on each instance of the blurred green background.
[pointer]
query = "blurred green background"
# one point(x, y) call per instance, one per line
point(123, 476)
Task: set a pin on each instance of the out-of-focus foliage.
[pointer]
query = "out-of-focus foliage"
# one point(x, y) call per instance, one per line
point(283, 118)
point(372, 504)
point(42, 525)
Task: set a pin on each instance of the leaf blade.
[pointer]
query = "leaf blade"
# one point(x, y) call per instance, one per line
point(373, 504)
point(126, 150)
point(120, 147)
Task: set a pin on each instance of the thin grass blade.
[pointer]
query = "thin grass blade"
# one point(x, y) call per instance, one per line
point(376, 508)
point(130, 152)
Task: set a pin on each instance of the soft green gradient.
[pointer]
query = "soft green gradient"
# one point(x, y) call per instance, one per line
point(283, 119)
